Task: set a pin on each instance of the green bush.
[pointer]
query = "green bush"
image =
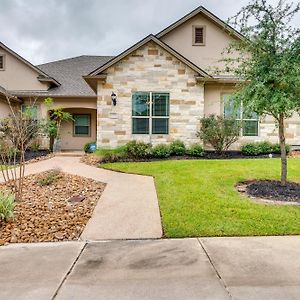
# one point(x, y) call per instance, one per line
point(177, 147)
point(136, 149)
point(7, 205)
point(110, 157)
point(196, 150)
point(87, 147)
point(219, 132)
point(35, 146)
point(161, 151)
point(262, 148)
point(50, 177)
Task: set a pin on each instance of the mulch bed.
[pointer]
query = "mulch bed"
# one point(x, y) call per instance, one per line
point(272, 190)
point(45, 214)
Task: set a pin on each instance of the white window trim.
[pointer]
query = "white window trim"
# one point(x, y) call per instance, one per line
point(151, 117)
point(241, 119)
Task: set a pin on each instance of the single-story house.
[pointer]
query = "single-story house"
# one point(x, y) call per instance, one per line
point(155, 91)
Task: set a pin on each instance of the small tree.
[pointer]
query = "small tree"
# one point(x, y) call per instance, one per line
point(219, 132)
point(269, 64)
point(56, 117)
point(16, 133)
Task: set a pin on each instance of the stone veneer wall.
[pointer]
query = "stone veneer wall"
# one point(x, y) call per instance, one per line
point(150, 68)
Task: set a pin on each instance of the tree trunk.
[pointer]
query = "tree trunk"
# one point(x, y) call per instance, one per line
point(283, 150)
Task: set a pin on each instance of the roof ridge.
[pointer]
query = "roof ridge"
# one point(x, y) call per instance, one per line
point(74, 57)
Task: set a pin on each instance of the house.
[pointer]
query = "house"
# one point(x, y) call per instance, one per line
point(155, 91)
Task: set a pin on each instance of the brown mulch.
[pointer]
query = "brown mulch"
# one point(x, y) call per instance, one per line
point(91, 159)
point(271, 191)
point(45, 214)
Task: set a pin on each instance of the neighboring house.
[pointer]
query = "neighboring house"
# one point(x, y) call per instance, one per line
point(161, 87)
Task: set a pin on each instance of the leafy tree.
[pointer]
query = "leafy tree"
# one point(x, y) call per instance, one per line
point(269, 64)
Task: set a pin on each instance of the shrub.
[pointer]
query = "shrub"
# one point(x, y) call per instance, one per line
point(177, 147)
point(196, 150)
point(7, 205)
point(50, 177)
point(35, 146)
point(161, 151)
point(219, 132)
point(87, 147)
point(110, 157)
point(136, 149)
point(262, 148)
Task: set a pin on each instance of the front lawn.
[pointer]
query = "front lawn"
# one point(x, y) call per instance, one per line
point(198, 197)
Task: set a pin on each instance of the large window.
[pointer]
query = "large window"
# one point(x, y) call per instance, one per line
point(150, 113)
point(249, 120)
point(82, 125)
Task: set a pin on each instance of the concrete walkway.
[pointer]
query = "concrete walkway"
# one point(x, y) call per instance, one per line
point(255, 268)
point(128, 207)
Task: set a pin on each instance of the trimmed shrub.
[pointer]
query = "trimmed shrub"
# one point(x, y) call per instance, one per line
point(177, 147)
point(136, 149)
point(87, 147)
point(7, 205)
point(161, 151)
point(262, 148)
point(196, 150)
point(219, 132)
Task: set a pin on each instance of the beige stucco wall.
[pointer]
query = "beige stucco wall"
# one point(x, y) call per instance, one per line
point(267, 128)
point(149, 68)
point(206, 57)
point(4, 109)
point(75, 106)
point(19, 76)
point(71, 142)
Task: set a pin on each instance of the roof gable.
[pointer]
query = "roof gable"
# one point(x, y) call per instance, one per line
point(147, 39)
point(206, 13)
point(42, 76)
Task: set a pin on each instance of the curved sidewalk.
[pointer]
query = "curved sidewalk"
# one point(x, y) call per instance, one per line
point(127, 209)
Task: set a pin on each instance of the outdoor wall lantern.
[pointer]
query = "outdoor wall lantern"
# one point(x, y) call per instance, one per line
point(114, 99)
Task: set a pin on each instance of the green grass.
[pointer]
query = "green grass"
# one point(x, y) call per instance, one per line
point(198, 197)
point(103, 151)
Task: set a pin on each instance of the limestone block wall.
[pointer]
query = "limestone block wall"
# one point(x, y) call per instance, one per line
point(150, 68)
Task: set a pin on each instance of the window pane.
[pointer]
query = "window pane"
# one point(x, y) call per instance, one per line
point(160, 126)
point(82, 120)
point(31, 111)
point(140, 104)
point(250, 128)
point(1, 61)
point(230, 108)
point(160, 104)
point(140, 125)
point(82, 130)
point(249, 115)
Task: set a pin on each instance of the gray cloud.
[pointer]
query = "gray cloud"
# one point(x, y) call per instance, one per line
point(42, 31)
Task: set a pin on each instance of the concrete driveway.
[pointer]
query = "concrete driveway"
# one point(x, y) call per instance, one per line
point(205, 268)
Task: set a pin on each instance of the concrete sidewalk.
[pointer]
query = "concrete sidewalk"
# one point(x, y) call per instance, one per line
point(205, 268)
point(128, 207)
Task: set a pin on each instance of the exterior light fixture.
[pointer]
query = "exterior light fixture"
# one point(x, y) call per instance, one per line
point(114, 99)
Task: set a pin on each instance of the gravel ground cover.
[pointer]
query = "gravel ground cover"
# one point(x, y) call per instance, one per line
point(51, 210)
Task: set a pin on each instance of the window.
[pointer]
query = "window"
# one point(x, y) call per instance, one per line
point(249, 120)
point(150, 113)
point(2, 62)
point(30, 110)
point(82, 125)
point(198, 35)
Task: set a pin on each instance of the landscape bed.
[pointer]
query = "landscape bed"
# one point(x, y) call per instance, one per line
point(47, 211)
point(199, 198)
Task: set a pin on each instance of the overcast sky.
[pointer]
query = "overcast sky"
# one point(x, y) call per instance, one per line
point(46, 30)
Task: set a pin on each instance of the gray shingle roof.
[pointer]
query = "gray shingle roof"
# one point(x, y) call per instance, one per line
point(69, 72)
